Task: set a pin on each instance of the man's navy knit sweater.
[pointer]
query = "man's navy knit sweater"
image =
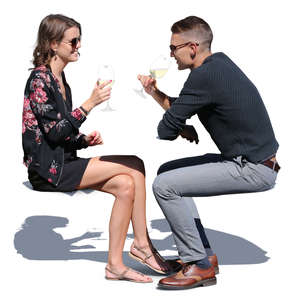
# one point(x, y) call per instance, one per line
point(229, 107)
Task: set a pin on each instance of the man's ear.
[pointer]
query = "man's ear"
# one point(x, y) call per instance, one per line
point(193, 48)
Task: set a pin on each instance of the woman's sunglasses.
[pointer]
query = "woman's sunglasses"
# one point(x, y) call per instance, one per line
point(74, 42)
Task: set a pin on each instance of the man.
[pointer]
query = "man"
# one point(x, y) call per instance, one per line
point(231, 109)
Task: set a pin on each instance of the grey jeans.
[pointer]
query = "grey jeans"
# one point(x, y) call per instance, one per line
point(208, 175)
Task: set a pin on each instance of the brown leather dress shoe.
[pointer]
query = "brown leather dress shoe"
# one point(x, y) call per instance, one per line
point(177, 264)
point(190, 276)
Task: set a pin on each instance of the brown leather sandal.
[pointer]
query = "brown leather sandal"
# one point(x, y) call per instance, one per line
point(121, 276)
point(147, 256)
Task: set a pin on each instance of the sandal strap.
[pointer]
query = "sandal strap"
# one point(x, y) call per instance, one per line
point(147, 256)
point(122, 275)
point(155, 252)
point(138, 272)
point(119, 275)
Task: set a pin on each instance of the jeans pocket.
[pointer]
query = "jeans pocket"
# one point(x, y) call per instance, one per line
point(233, 168)
point(261, 176)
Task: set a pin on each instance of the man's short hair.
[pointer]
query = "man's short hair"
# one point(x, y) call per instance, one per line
point(198, 25)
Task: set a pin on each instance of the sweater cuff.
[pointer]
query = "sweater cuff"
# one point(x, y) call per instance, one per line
point(82, 142)
point(76, 118)
point(172, 99)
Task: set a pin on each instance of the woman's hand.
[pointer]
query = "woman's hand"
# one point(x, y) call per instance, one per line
point(94, 138)
point(99, 94)
point(148, 83)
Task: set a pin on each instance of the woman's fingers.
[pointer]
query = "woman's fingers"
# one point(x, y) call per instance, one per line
point(103, 84)
point(95, 138)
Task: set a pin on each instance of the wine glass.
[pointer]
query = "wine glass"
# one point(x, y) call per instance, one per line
point(106, 72)
point(158, 69)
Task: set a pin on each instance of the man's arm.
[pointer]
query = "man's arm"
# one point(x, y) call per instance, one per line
point(161, 98)
point(149, 85)
point(185, 131)
point(193, 97)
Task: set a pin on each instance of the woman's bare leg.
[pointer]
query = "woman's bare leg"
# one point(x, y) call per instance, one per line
point(122, 187)
point(100, 169)
point(100, 174)
point(134, 166)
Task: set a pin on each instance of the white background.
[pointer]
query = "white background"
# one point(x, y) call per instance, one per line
point(262, 37)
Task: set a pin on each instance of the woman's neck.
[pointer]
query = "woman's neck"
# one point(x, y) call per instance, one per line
point(57, 66)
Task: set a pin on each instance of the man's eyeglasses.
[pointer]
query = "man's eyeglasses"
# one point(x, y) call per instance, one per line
point(74, 42)
point(173, 47)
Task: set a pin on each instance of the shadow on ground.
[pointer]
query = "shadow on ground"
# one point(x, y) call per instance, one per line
point(37, 240)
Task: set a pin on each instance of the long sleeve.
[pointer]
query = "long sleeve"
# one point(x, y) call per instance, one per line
point(75, 142)
point(190, 101)
point(45, 108)
point(172, 99)
point(229, 107)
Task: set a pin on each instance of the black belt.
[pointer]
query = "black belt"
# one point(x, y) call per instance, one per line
point(272, 164)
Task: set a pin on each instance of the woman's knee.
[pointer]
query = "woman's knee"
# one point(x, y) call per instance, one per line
point(124, 187)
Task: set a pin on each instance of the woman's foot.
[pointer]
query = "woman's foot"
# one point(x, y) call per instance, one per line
point(149, 256)
point(125, 273)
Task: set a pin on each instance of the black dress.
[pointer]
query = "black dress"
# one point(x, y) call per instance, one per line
point(73, 168)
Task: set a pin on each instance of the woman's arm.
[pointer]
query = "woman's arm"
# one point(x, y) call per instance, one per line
point(76, 142)
point(45, 107)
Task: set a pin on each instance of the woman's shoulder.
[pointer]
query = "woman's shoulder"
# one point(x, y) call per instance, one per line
point(40, 74)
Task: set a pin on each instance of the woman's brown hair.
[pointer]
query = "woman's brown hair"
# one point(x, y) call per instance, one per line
point(52, 28)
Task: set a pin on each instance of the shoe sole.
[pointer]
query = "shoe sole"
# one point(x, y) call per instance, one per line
point(202, 283)
point(126, 279)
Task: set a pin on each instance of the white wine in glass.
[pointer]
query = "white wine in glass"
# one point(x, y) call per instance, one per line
point(158, 73)
point(106, 72)
point(159, 67)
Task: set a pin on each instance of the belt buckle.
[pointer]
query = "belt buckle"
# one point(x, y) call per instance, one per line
point(273, 160)
point(274, 164)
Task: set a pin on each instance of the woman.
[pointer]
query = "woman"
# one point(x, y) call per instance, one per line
point(51, 137)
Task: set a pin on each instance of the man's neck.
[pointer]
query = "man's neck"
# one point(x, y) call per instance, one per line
point(200, 59)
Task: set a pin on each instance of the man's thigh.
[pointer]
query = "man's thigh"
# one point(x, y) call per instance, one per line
point(189, 161)
point(214, 177)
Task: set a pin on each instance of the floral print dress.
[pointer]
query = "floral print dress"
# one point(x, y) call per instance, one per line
point(50, 133)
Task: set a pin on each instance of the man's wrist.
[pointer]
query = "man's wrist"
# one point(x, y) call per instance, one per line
point(154, 92)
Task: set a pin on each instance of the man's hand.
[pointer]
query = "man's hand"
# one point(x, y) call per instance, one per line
point(94, 139)
point(190, 133)
point(148, 83)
